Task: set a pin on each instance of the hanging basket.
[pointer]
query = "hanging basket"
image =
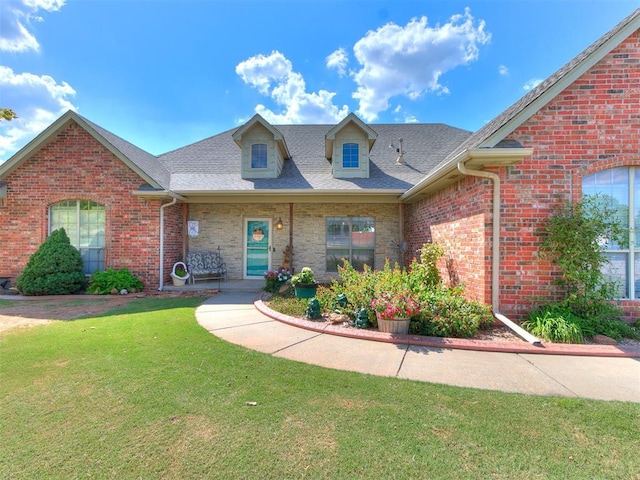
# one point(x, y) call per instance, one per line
point(179, 281)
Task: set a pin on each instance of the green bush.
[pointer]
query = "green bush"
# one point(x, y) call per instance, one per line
point(54, 269)
point(114, 281)
point(573, 239)
point(447, 313)
point(424, 274)
point(359, 287)
point(558, 325)
point(559, 322)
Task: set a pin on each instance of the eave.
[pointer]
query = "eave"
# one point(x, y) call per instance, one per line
point(293, 196)
point(158, 195)
point(476, 158)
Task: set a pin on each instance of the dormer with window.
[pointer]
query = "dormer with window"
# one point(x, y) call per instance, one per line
point(347, 145)
point(263, 149)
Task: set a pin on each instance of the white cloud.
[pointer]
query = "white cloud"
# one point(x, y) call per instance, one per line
point(531, 84)
point(38, 101)
point(503, 70)
point(409, 61)
point(338, 60)
point(272, 75)
point(16, 17)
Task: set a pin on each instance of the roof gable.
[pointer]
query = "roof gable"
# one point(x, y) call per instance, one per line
point(258, 120)
point(351, 118)
point(496, 130)
point(143, 163)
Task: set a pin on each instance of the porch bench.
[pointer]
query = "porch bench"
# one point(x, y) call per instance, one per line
point(206, 265)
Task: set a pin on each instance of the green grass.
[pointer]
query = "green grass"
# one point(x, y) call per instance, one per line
point(147, 393)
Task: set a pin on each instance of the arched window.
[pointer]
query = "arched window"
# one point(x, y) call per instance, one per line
point(621, 186)
point(84, 223)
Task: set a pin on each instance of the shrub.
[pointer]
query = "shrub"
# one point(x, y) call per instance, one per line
point(114, 281)
point(358, 287)
point(447, 313)
point(54, 269)
point(555, 326)
point(574, 238)
point(550, 322)
point(424, 274)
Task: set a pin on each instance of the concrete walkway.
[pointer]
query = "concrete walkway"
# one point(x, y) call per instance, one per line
point(233, 317)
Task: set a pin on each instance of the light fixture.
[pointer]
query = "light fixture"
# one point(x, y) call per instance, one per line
point(279, 224)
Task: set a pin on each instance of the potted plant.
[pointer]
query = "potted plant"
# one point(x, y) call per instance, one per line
point(304, 283)
point(394, 310)
point(275, 279)
point(179, 274)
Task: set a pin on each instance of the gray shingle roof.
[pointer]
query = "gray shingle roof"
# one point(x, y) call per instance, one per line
point(214, 164)
point(147, 162)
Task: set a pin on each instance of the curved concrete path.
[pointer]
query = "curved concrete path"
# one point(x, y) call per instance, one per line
point(233, 317)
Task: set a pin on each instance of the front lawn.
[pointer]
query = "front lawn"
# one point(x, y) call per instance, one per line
point(144, 392)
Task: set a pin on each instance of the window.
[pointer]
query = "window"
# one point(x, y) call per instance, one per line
point(350, 155)
point(621, 186)
point(352, 238)
point(259, 155)
point(84, 223)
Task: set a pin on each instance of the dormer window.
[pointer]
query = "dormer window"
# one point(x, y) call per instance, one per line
point(350, 155)
point(264, 150)
point(347, 146)
point(259, 155)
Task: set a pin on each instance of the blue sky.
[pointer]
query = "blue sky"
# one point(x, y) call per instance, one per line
point(163, 74)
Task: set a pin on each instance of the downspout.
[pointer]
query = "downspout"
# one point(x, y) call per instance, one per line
point(495, 254)
point(162, 207)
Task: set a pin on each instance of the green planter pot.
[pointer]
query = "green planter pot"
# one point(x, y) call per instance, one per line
point(306, 290)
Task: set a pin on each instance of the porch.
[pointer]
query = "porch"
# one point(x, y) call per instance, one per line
point(228, 286)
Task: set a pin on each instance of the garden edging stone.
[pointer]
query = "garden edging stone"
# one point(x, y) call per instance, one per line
point(454, 343)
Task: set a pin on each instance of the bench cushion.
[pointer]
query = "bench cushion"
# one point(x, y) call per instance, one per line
point(205, 263)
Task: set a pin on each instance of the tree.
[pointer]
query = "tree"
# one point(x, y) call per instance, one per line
point(7, 114)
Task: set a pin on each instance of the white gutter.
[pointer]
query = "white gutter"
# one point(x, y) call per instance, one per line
point(495, 255)
point(173, 201)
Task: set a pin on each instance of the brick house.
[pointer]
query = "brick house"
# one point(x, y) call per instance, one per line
point(351, 190)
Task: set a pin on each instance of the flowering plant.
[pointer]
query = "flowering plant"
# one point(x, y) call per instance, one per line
point(274, 279)
point(305, 277)
point(389, 306)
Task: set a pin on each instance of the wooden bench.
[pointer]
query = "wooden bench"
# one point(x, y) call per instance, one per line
point(206, 265)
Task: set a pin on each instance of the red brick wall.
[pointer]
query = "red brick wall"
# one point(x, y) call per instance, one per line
point(461, 227)
point(74, 166)
point(592, 125)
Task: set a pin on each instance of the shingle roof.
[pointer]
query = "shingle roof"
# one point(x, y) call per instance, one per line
point(147, 162)
point(214, 164)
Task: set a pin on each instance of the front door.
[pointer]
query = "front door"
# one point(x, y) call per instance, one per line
point(257, 247)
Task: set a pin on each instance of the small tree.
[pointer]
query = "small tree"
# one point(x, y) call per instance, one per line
point(54, 269)
point(574, 238)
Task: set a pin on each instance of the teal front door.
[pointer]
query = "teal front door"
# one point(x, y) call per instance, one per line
point(257, 247)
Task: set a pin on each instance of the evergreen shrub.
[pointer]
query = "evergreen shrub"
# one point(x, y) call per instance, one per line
point(54, 269)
